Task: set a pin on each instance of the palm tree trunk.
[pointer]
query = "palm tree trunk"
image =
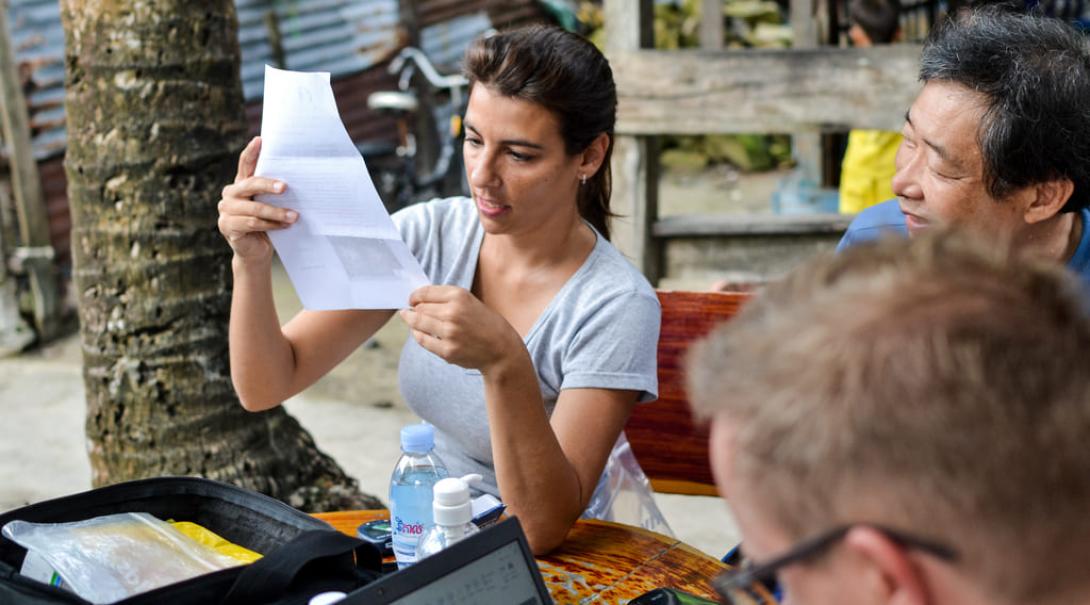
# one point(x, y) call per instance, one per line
point(155, 124)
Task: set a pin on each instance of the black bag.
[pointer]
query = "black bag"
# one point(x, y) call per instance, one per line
point(303, 555)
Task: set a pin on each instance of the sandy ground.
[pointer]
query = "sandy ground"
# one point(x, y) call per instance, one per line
point(354, 414)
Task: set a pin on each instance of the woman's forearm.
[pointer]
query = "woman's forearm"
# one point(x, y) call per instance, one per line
point(262, 360)
point(537, 481)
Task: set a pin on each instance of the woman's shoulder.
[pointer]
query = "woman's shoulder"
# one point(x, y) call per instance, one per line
point(436, 232)
point(613, 275)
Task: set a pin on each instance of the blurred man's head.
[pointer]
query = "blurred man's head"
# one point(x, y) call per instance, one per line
point(873, 21)
point(928, 394)
point(999, 137)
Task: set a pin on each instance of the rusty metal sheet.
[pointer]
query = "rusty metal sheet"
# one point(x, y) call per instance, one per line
point(339, 36)
point(503, 13)
point(445, 42)
point(342, 37)
point(38, 41)
point(352, 39)
point(56, 203)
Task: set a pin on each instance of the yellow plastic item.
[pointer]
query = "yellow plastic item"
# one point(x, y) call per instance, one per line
point(867, 172)
point(208, 538)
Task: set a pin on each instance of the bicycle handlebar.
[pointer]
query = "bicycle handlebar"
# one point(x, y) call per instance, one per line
point(409, 53)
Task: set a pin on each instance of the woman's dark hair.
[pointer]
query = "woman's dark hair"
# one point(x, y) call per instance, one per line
point(568, 76)
point(1034, 73)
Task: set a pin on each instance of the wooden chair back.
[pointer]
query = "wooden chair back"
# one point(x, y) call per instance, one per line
point(670, 447)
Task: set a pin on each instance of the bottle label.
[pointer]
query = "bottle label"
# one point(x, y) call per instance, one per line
point(408, 528)
point(410, 515)
point(406, 535)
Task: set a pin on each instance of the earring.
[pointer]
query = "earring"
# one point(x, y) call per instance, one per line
point(582, 179)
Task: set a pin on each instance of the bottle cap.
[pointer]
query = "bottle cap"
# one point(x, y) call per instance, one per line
point(418, 438)
point(452, 505)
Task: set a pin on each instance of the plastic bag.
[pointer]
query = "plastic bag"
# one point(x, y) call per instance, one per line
point(624, 494)
point(109, 558)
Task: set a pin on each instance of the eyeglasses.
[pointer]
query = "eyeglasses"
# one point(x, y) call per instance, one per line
point(737, 586)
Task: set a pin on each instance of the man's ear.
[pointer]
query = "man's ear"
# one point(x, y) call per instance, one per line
point(1049, 199)
point(592, 157)
point(890, 574)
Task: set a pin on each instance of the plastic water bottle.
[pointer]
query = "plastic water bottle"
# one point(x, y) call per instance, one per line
point(453, 512)
point(411, 483)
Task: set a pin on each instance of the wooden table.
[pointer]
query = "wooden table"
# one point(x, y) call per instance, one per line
point(601, 562)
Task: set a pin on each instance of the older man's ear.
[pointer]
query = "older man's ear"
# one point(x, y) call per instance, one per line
point(1049, 199)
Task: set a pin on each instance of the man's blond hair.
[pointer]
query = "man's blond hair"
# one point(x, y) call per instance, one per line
point(929, 384)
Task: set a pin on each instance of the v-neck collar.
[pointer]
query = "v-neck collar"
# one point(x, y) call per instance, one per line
point(475, 258)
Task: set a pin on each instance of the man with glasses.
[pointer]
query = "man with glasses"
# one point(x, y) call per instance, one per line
point(998, 140)
point(906, 423)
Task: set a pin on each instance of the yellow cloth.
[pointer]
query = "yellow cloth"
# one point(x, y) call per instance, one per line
point(867, 172)
point(212, 540)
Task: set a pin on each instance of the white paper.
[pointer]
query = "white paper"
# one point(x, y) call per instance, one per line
point(344, 251)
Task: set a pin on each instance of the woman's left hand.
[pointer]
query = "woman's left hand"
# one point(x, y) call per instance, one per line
point(455, 325)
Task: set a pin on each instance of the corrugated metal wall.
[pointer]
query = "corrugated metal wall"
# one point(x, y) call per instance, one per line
point(448, 26)
point(338, 36)
point(352, 39)
point(38, 39)
point(503, 13)
point(54, 190)
point(343, 37)
point(445, 42)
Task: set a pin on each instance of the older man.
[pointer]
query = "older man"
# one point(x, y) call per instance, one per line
point(907, 424)
point(998, 140)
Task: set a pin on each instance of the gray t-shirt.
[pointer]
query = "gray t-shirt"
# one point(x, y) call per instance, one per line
point(600, 331)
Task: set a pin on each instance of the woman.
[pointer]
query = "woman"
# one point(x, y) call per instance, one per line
point(531, 354)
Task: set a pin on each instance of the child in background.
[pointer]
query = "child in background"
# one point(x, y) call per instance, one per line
point(868, 161)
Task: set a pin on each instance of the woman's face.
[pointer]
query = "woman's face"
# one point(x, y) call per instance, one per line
point(519, 172)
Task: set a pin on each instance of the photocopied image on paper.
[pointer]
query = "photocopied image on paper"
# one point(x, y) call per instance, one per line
point(344, 252)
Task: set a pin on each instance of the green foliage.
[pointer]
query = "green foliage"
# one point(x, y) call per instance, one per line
point(677, 25)
point(747, 24)
point(747, 152)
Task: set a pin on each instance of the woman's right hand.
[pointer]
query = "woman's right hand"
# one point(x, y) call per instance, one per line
point(245, 222)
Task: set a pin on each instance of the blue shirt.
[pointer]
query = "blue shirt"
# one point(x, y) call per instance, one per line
point(887, 218)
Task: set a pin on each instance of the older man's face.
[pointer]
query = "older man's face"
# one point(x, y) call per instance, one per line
point(940, 169)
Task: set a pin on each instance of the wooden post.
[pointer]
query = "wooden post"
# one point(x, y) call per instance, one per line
point(635, 159)
point(711, 25)
point(804, 23)
point(15, 334)
point(422, 122)
point(409, 17)
point(276, 40)
point(35, 252)
point(806, 145)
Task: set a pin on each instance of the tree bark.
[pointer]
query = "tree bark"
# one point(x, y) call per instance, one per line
point(155, 125)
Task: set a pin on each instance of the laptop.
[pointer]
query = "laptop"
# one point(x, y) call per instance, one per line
point(493, 567)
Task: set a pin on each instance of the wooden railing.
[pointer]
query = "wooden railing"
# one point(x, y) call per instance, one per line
point(803, 91)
